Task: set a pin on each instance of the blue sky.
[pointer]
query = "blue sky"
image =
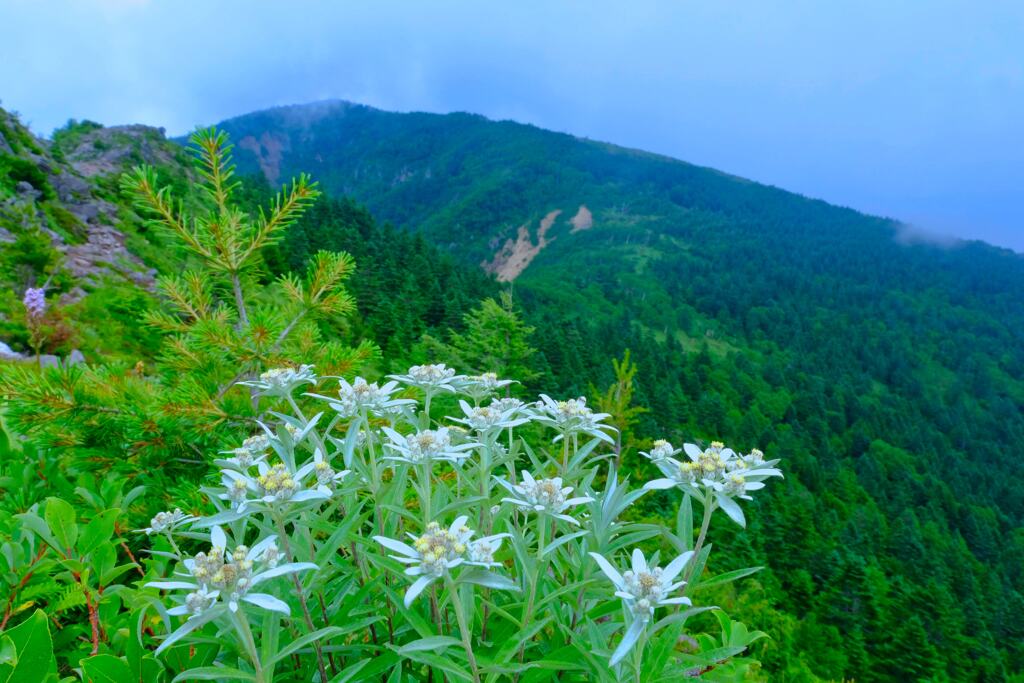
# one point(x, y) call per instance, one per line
point(913, 110)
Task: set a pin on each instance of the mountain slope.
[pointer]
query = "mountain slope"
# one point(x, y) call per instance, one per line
point(889, 375)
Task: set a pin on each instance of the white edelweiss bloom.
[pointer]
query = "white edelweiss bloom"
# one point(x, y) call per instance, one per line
point(230, 575)
point(488, 418)
point(718, 470)
point(431, 555)
point(282, 381)
point(514, 407)
point(425, 446)
point(572, 417)
point(430, 378)
point(546, 496)
point(642, 589)
point(327, 479)
point(481, 551)
point(661, 451)
point(245, 456)
point(364, 397)
point(167, 522)
point(481, 386)
point(276, 484)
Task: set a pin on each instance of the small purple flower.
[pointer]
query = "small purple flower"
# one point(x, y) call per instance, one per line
point(35, 302)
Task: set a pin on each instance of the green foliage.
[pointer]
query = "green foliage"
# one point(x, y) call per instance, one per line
point(494, 339)
point(221, 325)
point(14, 170)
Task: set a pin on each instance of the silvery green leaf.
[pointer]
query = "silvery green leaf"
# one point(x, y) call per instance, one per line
point(482, 577)
point(731, 508)
point(268, 602)
point(628, 641)
point(562, 540)
point(281, 570)
point(189, 626)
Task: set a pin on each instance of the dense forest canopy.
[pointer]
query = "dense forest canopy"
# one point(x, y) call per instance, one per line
point(888, 376)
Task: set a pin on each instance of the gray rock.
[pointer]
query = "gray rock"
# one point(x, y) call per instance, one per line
point(70, 186)
point(7, 353)
point(25, 188)
point(75, 357)
point(49, 361)
point(85, 212)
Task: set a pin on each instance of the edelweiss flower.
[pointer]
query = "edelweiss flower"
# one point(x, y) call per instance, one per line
point(425, 446)
point(572, 417)
point(662, 450)
point(642, 589)
point(363, 397)
point(230, 576)
point(719, 470)
point(430, 378)
point(245, 456)
point(276, 484)
point(480, 387)
point(546, 496)
point(167, 522)
point(488, 418)
point(282, 381)
point(440, 550)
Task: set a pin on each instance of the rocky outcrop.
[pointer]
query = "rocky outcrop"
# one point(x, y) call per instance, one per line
point(104, 151)
point(87, 235)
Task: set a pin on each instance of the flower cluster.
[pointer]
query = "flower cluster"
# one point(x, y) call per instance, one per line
point(362, 398)
point(166, 522)
point(282, 381)
point(430, 378)
point(220, 574)
point(716, 470)
point(642, 589)
point(426, 446)
point(286, 476)
point(35, 302)
point(573, 417)
point(546, 496)
point(440, 550)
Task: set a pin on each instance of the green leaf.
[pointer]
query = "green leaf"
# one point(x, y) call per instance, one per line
point(308, 639)
point(728, 577)
point(38, 526)
point(35, 662)
point(60, 517)
point(432, 643)
point(8, 653)
point(214, 673)
point(105, 669)
point(482, 577)
point(100, 529)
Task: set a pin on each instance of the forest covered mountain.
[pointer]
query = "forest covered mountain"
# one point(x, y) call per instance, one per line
point(888, 376)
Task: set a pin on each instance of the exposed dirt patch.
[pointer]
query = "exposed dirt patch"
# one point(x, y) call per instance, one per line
point(583, 220)
point(513, 258)
point(269, 150)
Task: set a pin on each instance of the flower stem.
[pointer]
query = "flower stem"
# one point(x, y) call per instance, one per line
point(709, 507)
point(242, 624)
point(283, 535)
point(460, 616)
point(423, 474)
